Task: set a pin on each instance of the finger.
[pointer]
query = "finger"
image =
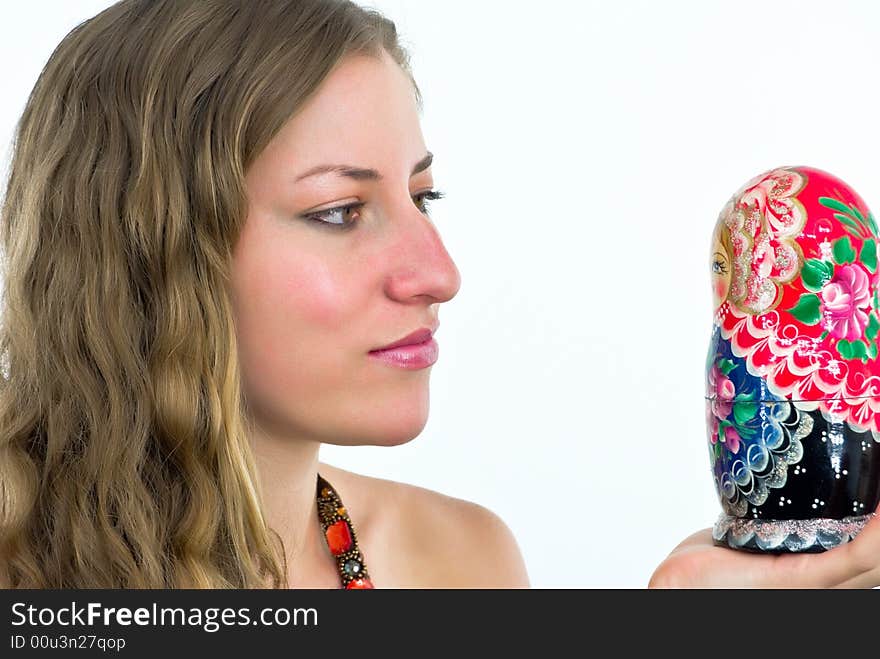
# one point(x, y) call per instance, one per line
point(863, 556)
point(699, 539)
point(706, 563)
point(863, 581)
point(854, 564)
point(808, 570)
point(794, 571)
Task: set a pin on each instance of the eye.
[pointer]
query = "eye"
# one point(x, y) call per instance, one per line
point(423, 199)
point(341, 216)
point(345, 217)
point(719, 267)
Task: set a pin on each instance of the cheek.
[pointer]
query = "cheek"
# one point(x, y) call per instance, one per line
point(296, 320)
point(314, 296)
point(293, 302)
point(721, 286)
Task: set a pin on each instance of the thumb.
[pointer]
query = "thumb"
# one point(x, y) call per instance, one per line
point(855, 564)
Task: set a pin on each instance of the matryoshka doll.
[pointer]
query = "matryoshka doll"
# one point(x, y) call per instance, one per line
point(792, 374)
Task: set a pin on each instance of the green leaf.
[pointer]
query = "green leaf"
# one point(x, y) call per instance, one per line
point(743, 412)
point(843, 250)
point(726, 366)
point(833, 204)
point(849, 222)
point(855, 212)
point(868, 257)
point(816, 274)
point(824, 336)
point(872, 350)
point(854, 233)
point(872, 224)
point(844, 347)
point(859, 350)
point(873, 327)
point(807, 309)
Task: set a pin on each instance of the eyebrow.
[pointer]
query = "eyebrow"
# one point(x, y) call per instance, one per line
point(360, 173)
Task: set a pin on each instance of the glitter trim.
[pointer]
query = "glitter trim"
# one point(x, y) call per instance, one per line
point(787, 535)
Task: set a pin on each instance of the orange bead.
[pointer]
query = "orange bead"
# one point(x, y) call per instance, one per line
point(339, 537)
point(360, 584)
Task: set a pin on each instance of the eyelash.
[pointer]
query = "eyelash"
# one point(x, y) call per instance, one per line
point(320, 216)
point(719, 267)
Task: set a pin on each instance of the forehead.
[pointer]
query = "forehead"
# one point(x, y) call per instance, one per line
point(365, 108)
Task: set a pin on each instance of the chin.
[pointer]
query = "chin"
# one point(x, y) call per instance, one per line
point(392, 419)
point(398, 438)
point(387, 425)
point(392, 431)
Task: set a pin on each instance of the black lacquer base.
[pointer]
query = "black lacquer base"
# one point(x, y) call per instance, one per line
point(828, 495)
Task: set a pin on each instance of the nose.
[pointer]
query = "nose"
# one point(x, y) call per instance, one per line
point(421, 268)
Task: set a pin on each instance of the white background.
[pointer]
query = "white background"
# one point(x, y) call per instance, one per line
point(586, 149)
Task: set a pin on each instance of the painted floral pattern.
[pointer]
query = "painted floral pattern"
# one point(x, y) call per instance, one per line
point(846, 303)
point(753, 435)
point(763, 221)
point(801, 310)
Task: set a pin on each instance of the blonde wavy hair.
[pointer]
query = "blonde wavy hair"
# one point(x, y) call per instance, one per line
point(124, 452)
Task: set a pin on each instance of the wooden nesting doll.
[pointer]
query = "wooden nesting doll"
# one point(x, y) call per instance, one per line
point(792, 374)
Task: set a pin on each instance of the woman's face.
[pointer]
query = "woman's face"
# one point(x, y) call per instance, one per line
point(313, 297)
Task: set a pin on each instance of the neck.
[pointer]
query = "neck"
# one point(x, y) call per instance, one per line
point(288, 471)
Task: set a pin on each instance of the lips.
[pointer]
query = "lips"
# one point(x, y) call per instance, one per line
point(413, 352)
point(419, 336)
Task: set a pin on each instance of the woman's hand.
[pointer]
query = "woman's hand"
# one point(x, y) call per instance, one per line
point(698, 563)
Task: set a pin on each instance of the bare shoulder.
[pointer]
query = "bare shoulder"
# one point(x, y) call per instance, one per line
point(467, 545)
point(431, 540)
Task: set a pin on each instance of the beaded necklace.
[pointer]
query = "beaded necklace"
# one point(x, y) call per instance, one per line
point(341, 538)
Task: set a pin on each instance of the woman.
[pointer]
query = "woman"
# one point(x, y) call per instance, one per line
point(216, 226)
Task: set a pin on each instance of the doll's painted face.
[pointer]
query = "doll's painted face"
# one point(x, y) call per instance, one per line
point(333, 265)
point(721, 267)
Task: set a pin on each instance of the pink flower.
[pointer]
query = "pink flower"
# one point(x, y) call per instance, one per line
point(724, 391)
point(712, 425)
point(731, 439)
point(846, 301)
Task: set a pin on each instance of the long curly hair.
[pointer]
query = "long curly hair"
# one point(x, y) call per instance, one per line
point(124, 452)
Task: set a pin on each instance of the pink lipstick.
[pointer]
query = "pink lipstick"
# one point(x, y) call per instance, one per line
point(415, 351)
